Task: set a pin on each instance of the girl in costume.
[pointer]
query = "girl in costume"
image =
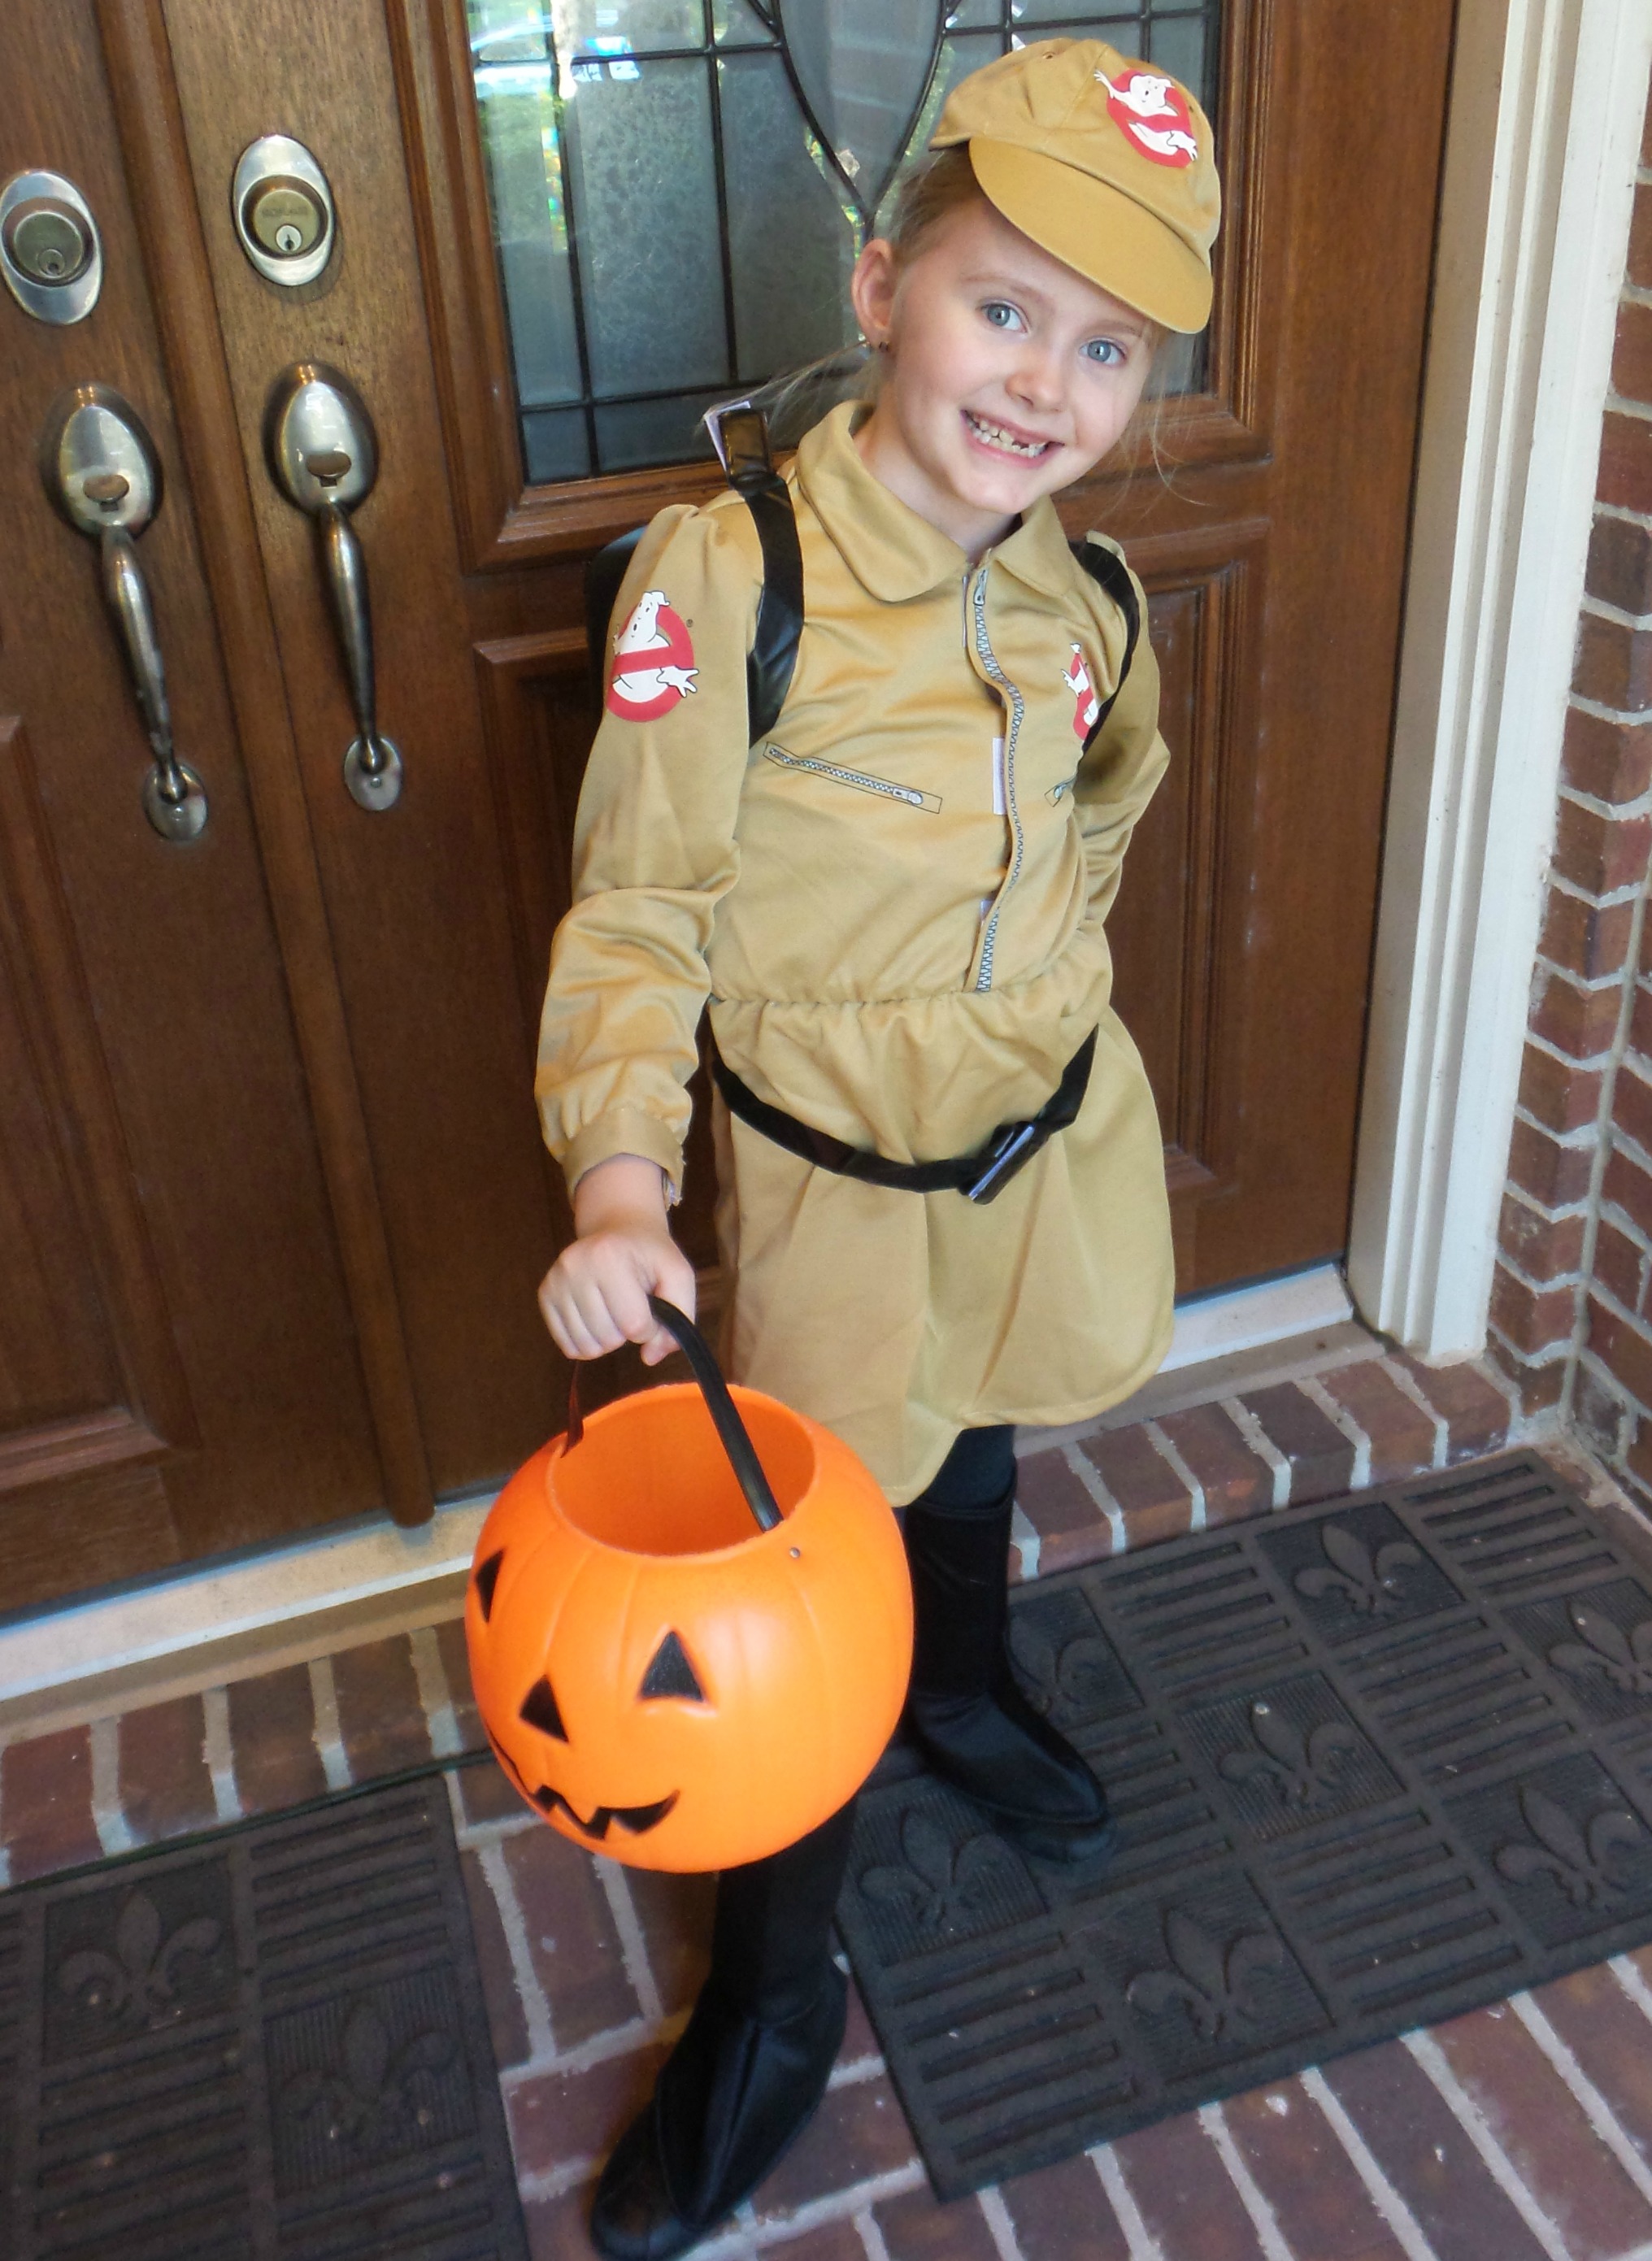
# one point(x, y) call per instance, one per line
point(942, 1206)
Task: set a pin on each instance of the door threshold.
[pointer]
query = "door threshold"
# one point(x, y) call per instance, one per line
point(222, 1620)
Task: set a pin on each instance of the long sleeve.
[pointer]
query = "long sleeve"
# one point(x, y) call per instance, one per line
point(654, 846)
point(1118, 776)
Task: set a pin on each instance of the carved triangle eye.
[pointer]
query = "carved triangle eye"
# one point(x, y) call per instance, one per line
point(487, 1576)
point(539, 1709)
point(671, 1674)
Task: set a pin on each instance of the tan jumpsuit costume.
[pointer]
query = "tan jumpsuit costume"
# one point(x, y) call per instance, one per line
point(895, 904)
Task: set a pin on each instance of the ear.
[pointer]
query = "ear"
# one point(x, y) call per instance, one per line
point(872, 288)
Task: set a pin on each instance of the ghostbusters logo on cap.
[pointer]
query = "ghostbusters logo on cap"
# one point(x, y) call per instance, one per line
point(653, 661)
point(1087, 708)
point(1154, 111)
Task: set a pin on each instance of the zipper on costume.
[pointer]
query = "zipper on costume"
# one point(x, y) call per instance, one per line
point(861, 780)
point(1018, 707)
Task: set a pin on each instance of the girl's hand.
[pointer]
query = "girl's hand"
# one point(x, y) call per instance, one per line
point(595, 1296)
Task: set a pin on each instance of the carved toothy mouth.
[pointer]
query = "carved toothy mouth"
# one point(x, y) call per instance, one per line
point(636, 1818)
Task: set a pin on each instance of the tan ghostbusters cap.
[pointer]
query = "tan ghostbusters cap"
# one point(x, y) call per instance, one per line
point(1106, 163)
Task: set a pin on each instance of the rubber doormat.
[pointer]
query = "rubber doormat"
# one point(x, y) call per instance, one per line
point(272, 2043)
point(1374, 1763)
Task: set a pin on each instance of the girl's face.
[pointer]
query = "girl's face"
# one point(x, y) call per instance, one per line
point(1009, 375)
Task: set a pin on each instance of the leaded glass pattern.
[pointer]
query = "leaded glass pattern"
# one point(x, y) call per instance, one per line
point(680, 187)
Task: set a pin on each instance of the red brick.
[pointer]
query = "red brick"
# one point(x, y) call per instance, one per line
point(1632, 1105)
point(456, 1671)
point(1300, 2167)
point(1626, 461)
point(1640, 1038)
point(571, 1940)
point(1582, 1022)
point(1543, 2131)
point(1552, 1172)
point(1620, 564)
point(1632, 358)
point(1589, 939)
point(1598, 2021)
point(272, 1736)
point(506, 2020)
point(165, 1787)
point(1531, 1319)
point(487, 1793)
point(1062, 2213)
point(1234, 1481)
point(675, 1914)
point(1476, 1410)
point(1621, 1265)
point(1612, 761)
point(916, 2228)
point(859, 2132)
point(1321, 1457)
point(1401, 1434)
point(1428, 2156)
point(1628, 1187)
point(1071, 1528)
point(46, 1804)
point(1186, 2195)
point(1558, 1092)
point(561, 2120)
point(1638, 274)
point(1601, 854)
point(1155, 1503)
point(1538, 1384)
point(1543, 1247)
point(556, 2227)
point(381, 1719)
point(1615, 664)
point(1621, 1349)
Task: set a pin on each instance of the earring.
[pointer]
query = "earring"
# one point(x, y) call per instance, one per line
point(883, 344)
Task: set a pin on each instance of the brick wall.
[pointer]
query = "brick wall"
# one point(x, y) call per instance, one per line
point(1571, 1306)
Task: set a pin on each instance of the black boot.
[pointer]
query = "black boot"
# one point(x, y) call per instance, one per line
point(965, 1708)
point(752, 2062)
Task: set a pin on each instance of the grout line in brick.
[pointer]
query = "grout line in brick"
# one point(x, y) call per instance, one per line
point(1027, 1542)
point(1182, 1472)
point(1000, 2227)
point(616, 1889)
point(1621, 512)
point(435, 1698)
point(1401, 2221)
point(837, 2206)
point(1428, 2054)
point(1574, 1140)
point(115, 1833)
point(1627, 1974)
point(1262, 1445)
point(1315, 1390)
point(870, 2236)
point(1615, 812)
point(1269, 2236)
point(218, 1751)
point(556, 2182)
point(1506, 1263)
point(1596, 2109)
point(598, 2049)
point(1605, 899)
point(542, 2037)
point(1090, 1477)
point(1602, 608)
point(1409, 1388)
point(1623, 717)
point(1143, 2245)
point(855, 2070)
point(329, 1742)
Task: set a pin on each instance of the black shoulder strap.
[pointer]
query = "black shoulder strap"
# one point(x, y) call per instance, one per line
point(1107, 569)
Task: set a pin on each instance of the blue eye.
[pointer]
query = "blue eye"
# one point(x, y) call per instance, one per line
point(1001, 314)
point(1104, 353)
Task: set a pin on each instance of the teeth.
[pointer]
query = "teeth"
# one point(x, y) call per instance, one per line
point(996, 436)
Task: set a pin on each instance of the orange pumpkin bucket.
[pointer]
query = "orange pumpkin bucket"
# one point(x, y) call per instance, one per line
point(663, 1682)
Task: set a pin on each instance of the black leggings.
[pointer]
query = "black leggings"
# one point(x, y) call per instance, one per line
point(976, 1477)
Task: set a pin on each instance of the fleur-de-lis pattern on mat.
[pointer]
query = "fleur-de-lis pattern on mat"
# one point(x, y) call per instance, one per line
point(140, 1981)
point(377, 2097)
point(942, 1889)
point(1368, 1581)
point(1303, 1769)
point(1213, 1986)
point(1624, 1659)
point(1578, 1858)
point(1054, 1671)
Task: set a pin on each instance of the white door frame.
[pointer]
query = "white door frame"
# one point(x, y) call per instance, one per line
point(1548, 100)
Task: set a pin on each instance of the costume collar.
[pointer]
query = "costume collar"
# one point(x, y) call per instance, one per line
point(893, 552)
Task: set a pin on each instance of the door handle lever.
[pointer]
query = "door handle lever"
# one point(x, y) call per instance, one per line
point(102, 473)
point(323, 456)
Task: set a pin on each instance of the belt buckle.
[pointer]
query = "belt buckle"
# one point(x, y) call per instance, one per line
point(1010, 1146)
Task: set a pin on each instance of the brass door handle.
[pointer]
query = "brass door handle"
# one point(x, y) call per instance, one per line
point(323, 456)
point(102, 473)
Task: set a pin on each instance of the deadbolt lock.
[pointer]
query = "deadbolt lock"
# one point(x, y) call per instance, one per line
point(47, 240)
point(286, 215)
point(282, 210)
point(50, 257)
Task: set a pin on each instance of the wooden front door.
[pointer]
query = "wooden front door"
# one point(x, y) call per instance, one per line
point(272, 1201)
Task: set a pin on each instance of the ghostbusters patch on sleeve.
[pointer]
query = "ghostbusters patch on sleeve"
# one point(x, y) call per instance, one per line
point(1153, 113)
point(1086, 706)
point(653, 661)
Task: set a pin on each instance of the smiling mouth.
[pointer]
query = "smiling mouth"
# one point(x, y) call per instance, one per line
point(1005, 442)
point(635, 1818)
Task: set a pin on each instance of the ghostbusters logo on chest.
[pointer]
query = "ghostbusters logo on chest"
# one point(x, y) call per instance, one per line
point(1152, 113)
point(653, 661)
point(1086, 706)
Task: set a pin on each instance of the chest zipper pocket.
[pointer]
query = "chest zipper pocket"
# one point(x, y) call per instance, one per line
point(885, 788)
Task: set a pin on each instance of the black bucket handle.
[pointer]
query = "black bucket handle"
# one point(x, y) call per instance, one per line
point(725, 1414)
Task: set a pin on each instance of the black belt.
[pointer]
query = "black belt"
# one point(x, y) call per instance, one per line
point(979, 1177)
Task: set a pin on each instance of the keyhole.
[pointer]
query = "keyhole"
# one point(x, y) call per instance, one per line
point(288, 239)
point(52, 264)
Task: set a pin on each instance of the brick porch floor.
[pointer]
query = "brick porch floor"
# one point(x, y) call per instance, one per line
point(1519, 2131)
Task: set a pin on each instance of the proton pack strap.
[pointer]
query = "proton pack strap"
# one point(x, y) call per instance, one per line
point(773, 653)
point(1107, 570)
point(980, 1176)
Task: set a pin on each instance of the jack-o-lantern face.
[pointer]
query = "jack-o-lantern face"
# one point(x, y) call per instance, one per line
point(686, 1708)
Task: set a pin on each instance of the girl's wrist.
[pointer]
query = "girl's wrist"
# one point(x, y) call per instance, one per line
point(626, 1190)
